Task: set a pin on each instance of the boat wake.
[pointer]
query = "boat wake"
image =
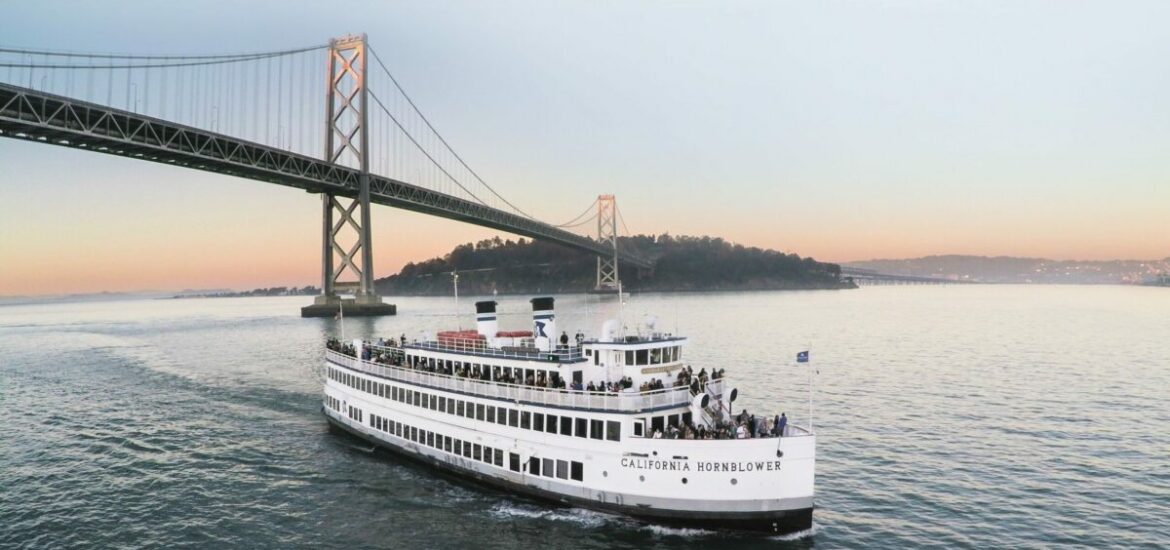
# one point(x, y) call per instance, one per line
point(806, 534)
point(684, 532)
point(581, 516)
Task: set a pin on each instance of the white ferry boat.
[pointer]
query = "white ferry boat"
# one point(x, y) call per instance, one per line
point(618, 423)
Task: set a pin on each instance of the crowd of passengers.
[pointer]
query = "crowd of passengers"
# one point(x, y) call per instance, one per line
point(742, 426)
point(686, 376)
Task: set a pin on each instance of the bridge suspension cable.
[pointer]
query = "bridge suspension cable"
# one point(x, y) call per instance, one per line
point(60, 53)
point(574, 223)
point(630, 244)
point(421, 148)
point(440, 136)
point(622, 219)
point(246, 95)
point(160, 65)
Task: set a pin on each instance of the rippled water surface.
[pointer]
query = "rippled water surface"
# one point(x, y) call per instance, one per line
point(948, 416)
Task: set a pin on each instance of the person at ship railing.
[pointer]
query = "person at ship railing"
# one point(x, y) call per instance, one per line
point(779, 425)
point(741, 417)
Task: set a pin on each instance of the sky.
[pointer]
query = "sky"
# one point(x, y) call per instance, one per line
point(837, 130)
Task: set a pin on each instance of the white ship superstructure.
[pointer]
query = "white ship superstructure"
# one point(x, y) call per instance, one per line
point(617, 423)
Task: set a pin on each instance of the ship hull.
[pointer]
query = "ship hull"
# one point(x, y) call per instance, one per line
point(775, 522)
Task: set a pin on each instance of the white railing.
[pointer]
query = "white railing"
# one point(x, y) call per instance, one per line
point(623, 402)
point(564, 354)
point(792, 430)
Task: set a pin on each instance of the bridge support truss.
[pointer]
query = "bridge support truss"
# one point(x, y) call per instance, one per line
point(607, 265)
point(347, 143)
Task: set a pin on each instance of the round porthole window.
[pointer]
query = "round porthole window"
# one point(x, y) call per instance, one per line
point(734, 481)
point(641, 478)
point(604, 474)
point(684, 481)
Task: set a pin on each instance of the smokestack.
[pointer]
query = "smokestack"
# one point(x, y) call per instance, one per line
point(544, 324)
point(485, 319)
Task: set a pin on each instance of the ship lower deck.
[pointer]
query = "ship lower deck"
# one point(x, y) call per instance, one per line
point(776, 521)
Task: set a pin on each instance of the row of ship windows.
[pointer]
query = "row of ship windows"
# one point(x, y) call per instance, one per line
point(561, 469)
point(490, 372)
point(549, 423)
point(354, 413)
point(655, 356)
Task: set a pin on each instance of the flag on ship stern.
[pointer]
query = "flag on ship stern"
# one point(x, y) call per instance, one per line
point(802, 357)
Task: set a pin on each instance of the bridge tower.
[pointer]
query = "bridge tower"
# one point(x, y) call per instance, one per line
point(347, 143)
point(607, 266)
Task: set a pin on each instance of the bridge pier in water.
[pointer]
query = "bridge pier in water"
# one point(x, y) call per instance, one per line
point(347, 142)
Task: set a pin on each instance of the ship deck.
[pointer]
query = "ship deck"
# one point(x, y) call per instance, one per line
point(625, 402)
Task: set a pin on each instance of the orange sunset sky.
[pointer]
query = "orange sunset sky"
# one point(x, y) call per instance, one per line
point(841, 132)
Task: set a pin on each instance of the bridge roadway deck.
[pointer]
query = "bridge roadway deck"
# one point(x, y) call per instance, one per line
point(862, 273)
point(46, 118)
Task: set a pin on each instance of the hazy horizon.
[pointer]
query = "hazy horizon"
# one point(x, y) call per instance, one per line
point(138, 292)
point(841, 131)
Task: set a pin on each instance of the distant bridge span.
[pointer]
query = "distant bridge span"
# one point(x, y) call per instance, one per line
point(862, 274)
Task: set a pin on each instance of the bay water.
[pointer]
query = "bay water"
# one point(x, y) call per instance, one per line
point(947, 416)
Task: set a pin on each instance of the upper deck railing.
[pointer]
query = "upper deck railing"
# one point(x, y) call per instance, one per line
point(563, 354)
point(600, 401)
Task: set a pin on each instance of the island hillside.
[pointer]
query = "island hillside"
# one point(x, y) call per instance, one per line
point(681, 263)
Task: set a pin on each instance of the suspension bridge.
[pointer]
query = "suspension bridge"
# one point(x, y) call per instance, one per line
point(329, 119)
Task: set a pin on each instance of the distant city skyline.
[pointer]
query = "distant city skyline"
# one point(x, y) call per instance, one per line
point(841, 131)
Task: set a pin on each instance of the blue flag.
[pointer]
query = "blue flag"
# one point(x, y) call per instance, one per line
point(802, 357)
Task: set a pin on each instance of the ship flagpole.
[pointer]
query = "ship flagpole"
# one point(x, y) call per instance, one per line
point(803, 357)
point(621, 309)
point(455, 281)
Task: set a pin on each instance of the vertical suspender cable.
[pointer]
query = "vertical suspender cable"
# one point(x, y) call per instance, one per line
point(146, 91)
point(267, 100)
point(279, 96)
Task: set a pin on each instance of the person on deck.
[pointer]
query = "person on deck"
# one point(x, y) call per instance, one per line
point(564, 340)
point(781, 423)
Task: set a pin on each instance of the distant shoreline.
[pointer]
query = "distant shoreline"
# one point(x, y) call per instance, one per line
point(843, 286)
